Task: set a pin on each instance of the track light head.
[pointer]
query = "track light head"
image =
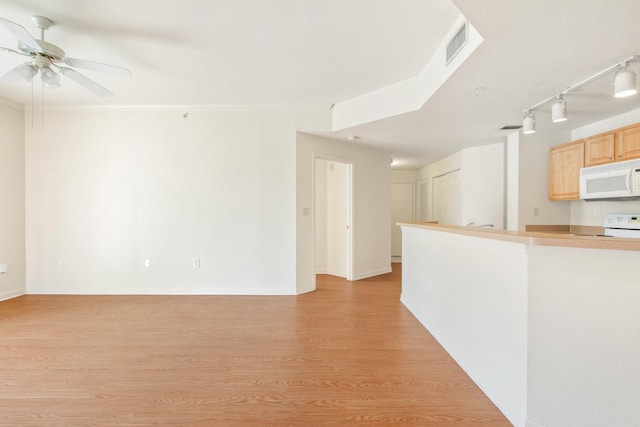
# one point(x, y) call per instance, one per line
point(529, 123)
point(624, 82)
point(559, 110)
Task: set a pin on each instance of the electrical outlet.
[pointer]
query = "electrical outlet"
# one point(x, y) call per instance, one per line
point(597, 211)
point(62, 263)
point(3, 267)
point(196, 263)
point(536, 212)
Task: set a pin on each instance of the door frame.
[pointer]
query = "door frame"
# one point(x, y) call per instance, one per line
point(350, 240)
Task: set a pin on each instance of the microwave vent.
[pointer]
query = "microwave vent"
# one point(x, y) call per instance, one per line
point(610, 167)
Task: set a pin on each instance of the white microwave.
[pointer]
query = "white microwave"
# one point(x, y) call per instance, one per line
point(613, 181)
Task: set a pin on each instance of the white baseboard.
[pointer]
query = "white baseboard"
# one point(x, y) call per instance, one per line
point(305, 291)
point(372, 273)
point(12, 294)
point(336, 273)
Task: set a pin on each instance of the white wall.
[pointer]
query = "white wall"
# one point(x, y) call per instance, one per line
point(401, 176)
point(371, 211)
point(592, 213)
point(441, 167)
point(400, 182)
point(513, 180)
point(107, 188)
point(534, 180)
point(549, 333)
point(584, 338)
point(448, 164)
point(12, 231)
point(482, 185)
point(321, 217)
point(471, 294)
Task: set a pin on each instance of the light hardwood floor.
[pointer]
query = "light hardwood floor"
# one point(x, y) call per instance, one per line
point(347, 354)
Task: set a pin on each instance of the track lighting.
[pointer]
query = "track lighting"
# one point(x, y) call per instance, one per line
point(559, 110)
point(529, 123)
point(624, 82)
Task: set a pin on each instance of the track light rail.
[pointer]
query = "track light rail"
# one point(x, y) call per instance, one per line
point(624, 85)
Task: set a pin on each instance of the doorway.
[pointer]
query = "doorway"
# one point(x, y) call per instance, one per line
point(333, 217)
point(402, 210)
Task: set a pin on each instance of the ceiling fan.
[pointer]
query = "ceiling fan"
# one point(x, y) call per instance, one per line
point(47, 58)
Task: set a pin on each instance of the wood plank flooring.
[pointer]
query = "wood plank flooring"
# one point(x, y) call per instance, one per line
point(347, 354)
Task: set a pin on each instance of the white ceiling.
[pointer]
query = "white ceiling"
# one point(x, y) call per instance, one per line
point(320, 52)
point(214, 52)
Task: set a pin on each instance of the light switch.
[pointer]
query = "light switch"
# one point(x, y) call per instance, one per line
point(196, 263)
point(147, 262)
point(3, 268)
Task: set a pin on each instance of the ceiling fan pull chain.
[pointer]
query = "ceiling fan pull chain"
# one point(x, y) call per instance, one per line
point(32, 105)
point(42, 104)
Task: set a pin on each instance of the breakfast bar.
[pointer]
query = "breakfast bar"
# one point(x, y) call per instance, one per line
point(546, 324)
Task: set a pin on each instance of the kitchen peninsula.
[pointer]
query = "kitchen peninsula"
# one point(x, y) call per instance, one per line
point(546, 324)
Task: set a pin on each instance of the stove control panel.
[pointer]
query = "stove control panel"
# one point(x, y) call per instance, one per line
point(628, 221)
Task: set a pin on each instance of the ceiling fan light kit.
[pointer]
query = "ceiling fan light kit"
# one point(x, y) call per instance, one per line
point(49, 60)
point(624, 84)
point(26, 71)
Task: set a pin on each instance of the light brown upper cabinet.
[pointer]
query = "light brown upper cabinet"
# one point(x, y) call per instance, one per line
point(599, 149)
point(565, 162)
point(627, 143)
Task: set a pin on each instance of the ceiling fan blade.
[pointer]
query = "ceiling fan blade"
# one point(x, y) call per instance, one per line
point(97, 66)
point(21, 34)
point(6, 49)
point(21, 71)
point(86, 82)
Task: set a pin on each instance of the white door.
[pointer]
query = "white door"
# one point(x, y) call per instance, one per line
point(402, 210)
point(425, 202)
point(333, 218)
point(337, 218)
point(446, 198)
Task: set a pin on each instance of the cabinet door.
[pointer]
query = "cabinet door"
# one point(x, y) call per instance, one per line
point(599, 149)
point(565, 162)
point(628, 143)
